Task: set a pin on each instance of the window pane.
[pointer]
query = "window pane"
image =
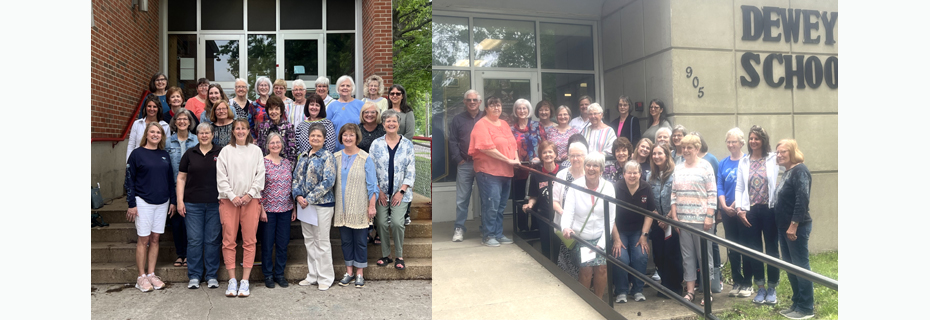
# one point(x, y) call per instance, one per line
point(182, 63)
point(566, 46)
point(448, 92)
point(340, 15)
point(509, 91)
point(222, 60)
point(262, 15)
point(340, 56)
point(300, 60)
point(450, 41)
point(221, 14)
point(301, 14)
point(504, 43)
point(261, 53)
point(182, 16)
point(565, 89)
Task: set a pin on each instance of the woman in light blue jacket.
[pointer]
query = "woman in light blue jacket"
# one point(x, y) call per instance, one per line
point(395, 165)
point(183, 138)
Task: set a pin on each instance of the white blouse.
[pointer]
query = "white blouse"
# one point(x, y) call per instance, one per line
point(578, 204)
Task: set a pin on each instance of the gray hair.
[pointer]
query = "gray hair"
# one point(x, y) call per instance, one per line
point(268, 141)
point(678, 127)
point(525, 102)
point(266, 80)
point(470, 91)
point(595, 158)
point(738, 134)
point(243, 81)
point(316, 126)
point(190, 120)
point(663, 129)
point(298, 83)
point(566, 109)
point(204, 125)
point(351, 83)
point(578, 145)
point(322, 80)
point(390, 113)
point(632, 165)
point(595, 107)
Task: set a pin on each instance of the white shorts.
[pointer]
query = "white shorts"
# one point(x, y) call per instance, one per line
point(151, 217)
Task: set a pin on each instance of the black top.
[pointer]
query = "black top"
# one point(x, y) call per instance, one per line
point(541, 190)
point(792, 197)
point(630, 129)
point(149, 176)
point(369, 136)
point(391, 152)
point(460, 135)
point(627, 220)
point(200, 186)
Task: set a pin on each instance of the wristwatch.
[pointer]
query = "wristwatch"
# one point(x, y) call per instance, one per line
point(402, 191)
point(646, 234)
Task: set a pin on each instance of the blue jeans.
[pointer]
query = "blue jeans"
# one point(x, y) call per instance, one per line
point(465, 177)
point(180, 235)
point(494, 192)
point(632, 256)
point(355, 246)
point(763, 230)
point(795, 252)
point(203, 239)
point(277, 233)
point(739, 266)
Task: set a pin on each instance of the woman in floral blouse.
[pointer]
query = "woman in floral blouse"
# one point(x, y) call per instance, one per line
point(312, 187)
point(394, 164)
point(277, 211)
point(275, 123)
point(621, 149)
point(559, 134)
point(527, 133)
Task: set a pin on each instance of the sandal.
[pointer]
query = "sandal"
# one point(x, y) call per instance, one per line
point(711, 300)
point(400, 262)
point(384, 261)
point(689, 296)
point(185, 262)
point(177, 263)
point(377, 239)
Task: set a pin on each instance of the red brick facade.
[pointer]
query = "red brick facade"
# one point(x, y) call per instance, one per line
point(377, 41)
point(124, 56)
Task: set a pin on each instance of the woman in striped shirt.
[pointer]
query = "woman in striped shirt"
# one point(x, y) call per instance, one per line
point(599, 135)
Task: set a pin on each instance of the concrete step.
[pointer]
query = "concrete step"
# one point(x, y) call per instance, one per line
point(125, 232)
point(126, 272)
point(104, 252)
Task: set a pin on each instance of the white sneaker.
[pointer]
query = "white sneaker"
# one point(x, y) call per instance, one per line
point(244, 289)
point(213, 283)
point(734, 291)
point(193, 284)
point(745, 292)
point(639, 297)
point(459, 235)
point(655, 276)
point(621, 298)
point(306, 282)
point(232, 288)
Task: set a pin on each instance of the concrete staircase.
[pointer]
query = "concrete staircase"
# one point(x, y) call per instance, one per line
point(113, 250)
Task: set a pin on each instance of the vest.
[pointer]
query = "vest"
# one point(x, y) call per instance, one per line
point(355, 213)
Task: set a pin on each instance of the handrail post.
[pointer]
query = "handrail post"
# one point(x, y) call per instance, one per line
point(705, 277)
point(607, 247)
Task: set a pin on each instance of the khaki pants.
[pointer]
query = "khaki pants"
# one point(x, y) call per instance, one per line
point(319, 249)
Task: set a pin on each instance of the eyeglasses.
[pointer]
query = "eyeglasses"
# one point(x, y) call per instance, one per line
point(396, 94)
point(161, 80)
point(495, 106)
point(654, 108)
point(370, 112)
point(472, 100)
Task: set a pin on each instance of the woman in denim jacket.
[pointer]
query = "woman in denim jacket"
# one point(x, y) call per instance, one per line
point(396, 172)
point(666, 250)
point(312, 186)
point(181, 140)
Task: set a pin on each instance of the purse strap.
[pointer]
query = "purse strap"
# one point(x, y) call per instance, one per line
point(590, 211)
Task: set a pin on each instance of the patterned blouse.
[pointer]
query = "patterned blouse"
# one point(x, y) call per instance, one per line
point(286, 130)
point(303, 136)
point(258, 114)
point(369, 137)
point(613, 172)
point(241, 111)
point(222, 134)
point(314, 177)
point(694, 191)
point(560, 140)
point(758, 182)
point(528, 139)
point(276, 197)
point(404, 166)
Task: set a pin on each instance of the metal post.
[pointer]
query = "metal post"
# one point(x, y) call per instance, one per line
point(607, 247)
point(705, 277)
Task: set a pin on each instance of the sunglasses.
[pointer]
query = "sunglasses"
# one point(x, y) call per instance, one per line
point(396, 94)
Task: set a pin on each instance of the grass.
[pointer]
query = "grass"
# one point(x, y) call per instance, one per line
point(422, 183)
point(826, 301)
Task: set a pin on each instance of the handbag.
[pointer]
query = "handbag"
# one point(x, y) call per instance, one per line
point(96, 200)
point(569, 242)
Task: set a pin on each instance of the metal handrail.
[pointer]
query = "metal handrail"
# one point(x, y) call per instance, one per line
point(790, 268)
point(128, 126)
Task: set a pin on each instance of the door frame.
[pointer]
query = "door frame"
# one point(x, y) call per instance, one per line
point(532, 76)
point(319, 36)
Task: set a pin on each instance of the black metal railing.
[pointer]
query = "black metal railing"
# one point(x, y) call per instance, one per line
point(545, 237)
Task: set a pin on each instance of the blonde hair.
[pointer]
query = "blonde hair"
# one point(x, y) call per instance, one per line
point(692, 140)
point(369, 104)
point(145, 136)
point(794, 154)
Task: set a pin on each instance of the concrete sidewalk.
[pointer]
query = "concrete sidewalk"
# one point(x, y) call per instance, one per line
point(472, 281)
point(408, 299)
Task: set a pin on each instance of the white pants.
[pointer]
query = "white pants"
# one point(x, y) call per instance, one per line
point(319, 249)
point(151, 217)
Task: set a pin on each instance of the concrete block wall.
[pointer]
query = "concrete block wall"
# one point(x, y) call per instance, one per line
point(377, 41)
point(648, 47)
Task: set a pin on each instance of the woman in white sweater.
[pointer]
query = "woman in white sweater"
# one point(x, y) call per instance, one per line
point(584, 216)
point(240, 179)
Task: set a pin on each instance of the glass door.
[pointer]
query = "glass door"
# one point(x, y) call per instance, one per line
point(220, 60)
point(509, 86)
point(302, 56)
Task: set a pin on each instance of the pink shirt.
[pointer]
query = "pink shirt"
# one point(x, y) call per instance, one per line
point(486, 136)
point(195, 106)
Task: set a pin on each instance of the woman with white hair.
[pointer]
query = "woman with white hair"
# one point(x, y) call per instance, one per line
point(528, 134)
point(240, 103)
point(322, 89)
point(374, 90)
point(599, 135)
point(257, 111)
point(295, 113)
point(346, 109)
point(664, 135)
point(585, 217)
point(576, 154)
point(726, 197)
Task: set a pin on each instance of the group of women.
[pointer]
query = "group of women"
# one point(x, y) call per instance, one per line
point(246, 165)
point(674, 177)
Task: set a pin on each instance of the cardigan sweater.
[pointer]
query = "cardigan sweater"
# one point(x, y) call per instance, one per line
point(353, 190)
point(742, 180)
point(630, 129)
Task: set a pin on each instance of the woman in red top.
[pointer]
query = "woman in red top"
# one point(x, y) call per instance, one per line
point(495, 153)
point(197, 104)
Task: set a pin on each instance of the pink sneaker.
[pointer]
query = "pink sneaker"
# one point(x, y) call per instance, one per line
point(143, 283)
point(156, 281)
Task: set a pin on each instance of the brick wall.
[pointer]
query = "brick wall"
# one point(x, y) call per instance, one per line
point(377, 40)
point(124, 56)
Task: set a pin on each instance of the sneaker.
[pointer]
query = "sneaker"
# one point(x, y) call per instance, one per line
point(232, 288)
point(459, 235)
point(193, 284)
point(346, 279)
point(735, 291)
point(281, 281)
point(797, 315)
point(407, 221)
point(244, 288)
point(639, 297)
point(504, 240)
point(490, 242)
point(359, 282)
point(213, 283)
point(156, 281)
point(786, 311)
point(655, 276)
point(142, 283)
point(760, 296)
point(322, 288)
point(770, 297)
point(621, 298)
point(306, 282)
point(745, 292)
point(269, 282)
